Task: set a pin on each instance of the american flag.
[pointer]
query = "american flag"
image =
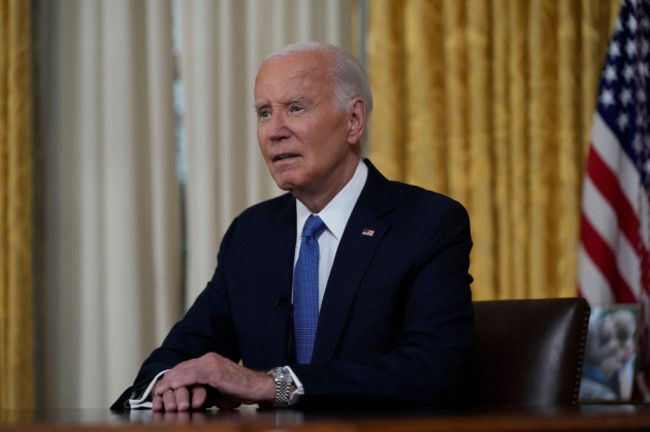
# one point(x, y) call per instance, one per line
point(615, 237)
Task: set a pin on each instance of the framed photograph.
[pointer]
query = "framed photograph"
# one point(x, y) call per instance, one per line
point(610, 354)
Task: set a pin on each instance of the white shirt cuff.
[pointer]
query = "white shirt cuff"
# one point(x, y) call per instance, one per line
point(144, 401)
point(300, 390)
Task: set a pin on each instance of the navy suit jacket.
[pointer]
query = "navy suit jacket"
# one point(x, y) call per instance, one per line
point(396, 321)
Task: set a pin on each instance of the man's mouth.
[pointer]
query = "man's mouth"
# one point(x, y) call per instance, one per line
point(282, 157)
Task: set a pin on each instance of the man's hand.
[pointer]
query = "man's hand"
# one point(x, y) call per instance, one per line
point(211, 379)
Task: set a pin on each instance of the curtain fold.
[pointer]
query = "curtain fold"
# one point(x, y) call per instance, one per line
point(490, 102)
point(425, 22)
point(16, 209)
point(389, 104)
point(541, 109)
point(113, 253)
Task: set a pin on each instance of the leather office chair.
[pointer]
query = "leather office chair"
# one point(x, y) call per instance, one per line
point(529, 352)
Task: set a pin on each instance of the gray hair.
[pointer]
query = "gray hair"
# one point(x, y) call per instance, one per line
point(349, 79)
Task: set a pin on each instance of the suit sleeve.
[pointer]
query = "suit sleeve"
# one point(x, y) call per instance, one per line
point(428, 364)
point(206, 327)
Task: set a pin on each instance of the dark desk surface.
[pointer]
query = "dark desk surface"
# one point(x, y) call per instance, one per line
point(580, 418)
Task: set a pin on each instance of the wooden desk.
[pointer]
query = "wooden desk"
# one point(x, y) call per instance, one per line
point(581, 418)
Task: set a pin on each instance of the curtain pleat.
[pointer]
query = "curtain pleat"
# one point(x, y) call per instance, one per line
point(425, 138)
point(16, 256)
point(455, 85)
point(503, 229)
point(490, 102)
point(165, 217)
point(518, 171)
point(569, 131)
point(479, 135)
point(542, 140)
point(113, 247)
point(388, 119)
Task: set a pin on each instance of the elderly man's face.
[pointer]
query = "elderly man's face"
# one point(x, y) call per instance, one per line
point(306, 139)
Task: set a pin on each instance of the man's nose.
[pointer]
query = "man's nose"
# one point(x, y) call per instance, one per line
point(278, 128)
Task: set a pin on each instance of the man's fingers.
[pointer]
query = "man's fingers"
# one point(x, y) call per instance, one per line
point(199, 396)
point(172, 380)
point(182, 375)
point(182, 399)
point(157, 403)
point(169, 400)
point(162, 386)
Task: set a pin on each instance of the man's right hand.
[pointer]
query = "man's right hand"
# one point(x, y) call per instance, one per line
point(184, 399)
point(211, 380)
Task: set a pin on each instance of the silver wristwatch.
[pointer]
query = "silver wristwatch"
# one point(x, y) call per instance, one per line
point(283, 381)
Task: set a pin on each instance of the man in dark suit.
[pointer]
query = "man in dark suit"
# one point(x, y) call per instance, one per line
point(381, 314)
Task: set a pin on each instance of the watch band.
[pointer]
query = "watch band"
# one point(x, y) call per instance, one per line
point(283, 382)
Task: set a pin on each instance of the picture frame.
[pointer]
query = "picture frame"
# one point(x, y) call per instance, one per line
point(611, 353)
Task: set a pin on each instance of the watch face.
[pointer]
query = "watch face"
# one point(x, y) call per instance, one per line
point(279, 372)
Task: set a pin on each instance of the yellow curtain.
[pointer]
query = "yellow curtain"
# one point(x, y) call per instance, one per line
point(16, 279)
point(490, 102)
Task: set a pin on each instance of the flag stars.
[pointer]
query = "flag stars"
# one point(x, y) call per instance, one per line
point(614, 50)
point(607, 98)
point(631, 23)
point(630, 48)
point(628, 72)
point(626, 97)
point(622, 120)
point(618, 26)
point(610, 73)
point(643, 69)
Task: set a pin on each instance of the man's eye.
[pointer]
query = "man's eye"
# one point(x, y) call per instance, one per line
point(295, 108)
point(264, 114)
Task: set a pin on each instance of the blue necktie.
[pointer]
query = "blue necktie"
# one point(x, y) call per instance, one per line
point(305, 290)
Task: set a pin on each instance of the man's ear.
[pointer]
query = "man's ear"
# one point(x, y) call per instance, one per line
point(356, 120)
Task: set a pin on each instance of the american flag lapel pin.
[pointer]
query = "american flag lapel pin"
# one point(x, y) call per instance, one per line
point(368, 232)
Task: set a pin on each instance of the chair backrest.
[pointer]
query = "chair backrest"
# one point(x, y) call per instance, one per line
point(529, 352)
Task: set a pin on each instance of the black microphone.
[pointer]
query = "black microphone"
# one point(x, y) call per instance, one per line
point(282, 304)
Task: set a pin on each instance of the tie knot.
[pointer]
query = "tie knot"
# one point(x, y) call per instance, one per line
point(314, 227)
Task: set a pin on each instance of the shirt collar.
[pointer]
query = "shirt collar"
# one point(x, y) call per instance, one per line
point(336, 213)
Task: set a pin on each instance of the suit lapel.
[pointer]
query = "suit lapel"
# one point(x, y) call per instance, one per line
point(277, 268)
point(360, 240)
